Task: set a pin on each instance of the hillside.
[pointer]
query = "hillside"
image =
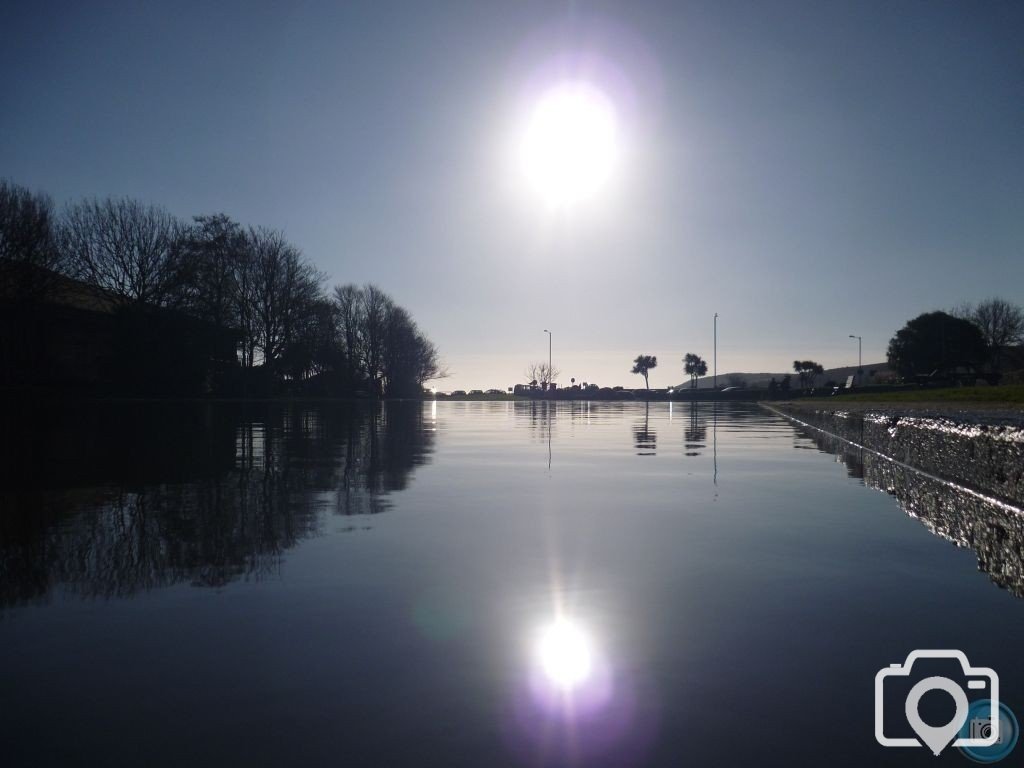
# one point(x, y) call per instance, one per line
point(761, 380)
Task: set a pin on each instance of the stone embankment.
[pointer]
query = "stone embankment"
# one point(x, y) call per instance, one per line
point(979, 449)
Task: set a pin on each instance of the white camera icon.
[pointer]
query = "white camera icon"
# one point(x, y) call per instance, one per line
point(981, 679)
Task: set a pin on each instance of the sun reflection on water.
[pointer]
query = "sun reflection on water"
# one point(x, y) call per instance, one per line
point(573, 704)
point(564, 652)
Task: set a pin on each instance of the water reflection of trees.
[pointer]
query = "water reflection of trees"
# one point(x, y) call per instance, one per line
point(540, 418)
point(109, 500)
point(644, 438)
point(994, 530)
point(696, 432)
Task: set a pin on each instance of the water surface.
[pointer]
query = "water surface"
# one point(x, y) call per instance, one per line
point(329, 584)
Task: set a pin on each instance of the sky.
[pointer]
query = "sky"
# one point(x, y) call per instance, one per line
point(806, 170)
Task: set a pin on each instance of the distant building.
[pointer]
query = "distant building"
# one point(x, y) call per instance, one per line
point(77, 337)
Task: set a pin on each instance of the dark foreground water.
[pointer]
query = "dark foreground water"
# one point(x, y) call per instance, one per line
point(477, 584)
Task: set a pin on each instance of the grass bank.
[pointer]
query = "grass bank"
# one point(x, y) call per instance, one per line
point(1005, 395)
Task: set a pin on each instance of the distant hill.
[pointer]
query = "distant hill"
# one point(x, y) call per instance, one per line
point(761, 380)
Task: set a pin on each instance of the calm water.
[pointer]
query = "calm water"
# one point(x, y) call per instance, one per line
point(376, 586)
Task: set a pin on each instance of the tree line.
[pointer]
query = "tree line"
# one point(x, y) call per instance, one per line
point(961, 345)
point(966, 341)
point(246, 283)
point(542, 375)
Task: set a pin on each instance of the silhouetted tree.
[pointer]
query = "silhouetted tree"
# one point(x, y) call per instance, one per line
point(808, 371)
point(187, 300)
point(541, 374)
point(643, 365)
point(314, 347)
point(131, 250)
point(29, 256)
point(349, 303)
point(936, 342)
point(380, 343)
point(214, 248)
point(29, 265)
point(785, 384)
point(1001, 324)
point(245, 296)
point(695, 367)
point(375, 307)
point(410, 358)
point(283, 291)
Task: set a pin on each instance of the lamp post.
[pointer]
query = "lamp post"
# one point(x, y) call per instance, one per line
point(860, 363)
point(550, 373)
point(714, 384)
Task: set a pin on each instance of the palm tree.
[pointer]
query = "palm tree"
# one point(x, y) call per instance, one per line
point(643, 365)
point(808, 370)
point(695, 366)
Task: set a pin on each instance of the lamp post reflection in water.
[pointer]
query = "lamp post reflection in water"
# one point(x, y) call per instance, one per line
point(547, 414)
point(714, 440)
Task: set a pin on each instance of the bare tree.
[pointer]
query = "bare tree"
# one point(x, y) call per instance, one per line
point(541, 374)
point(375, 309)
point(244, 297)
point(250, 281)
point(212, 253)
point(1000, 322)
point(382, 343)
point(281, 288)
point(29, 257)
point(349, 317)
point(127, 248)
point(313, 347)
point(409, 357)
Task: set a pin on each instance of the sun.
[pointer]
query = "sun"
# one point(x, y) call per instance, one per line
point(570, 144)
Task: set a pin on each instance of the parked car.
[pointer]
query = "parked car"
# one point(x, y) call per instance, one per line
point(458, 392)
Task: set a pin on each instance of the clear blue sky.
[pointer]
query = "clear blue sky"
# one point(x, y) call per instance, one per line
point(807, 170)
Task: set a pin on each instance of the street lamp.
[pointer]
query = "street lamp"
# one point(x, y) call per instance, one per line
point(550, 373)
point(714, 384)
point(860, 363)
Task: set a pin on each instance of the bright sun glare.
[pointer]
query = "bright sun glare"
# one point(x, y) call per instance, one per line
point(570, 144)
point(565, 656)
